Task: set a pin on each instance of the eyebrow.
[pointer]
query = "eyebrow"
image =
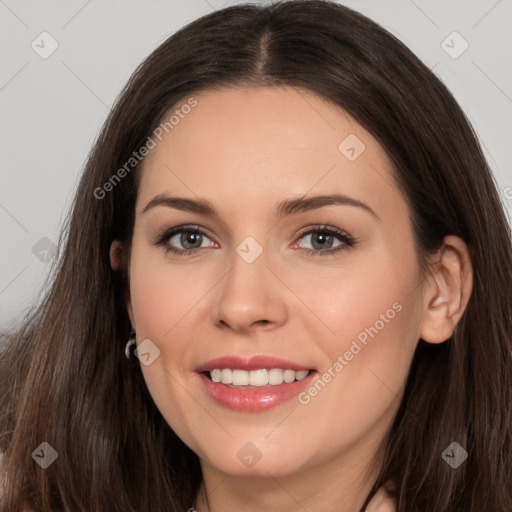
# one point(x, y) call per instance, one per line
point(284, 208)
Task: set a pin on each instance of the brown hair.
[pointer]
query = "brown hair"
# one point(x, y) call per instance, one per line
point(64, 376)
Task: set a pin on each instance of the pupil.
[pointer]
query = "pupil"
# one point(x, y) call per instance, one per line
point(323, 239)
point(190, 238)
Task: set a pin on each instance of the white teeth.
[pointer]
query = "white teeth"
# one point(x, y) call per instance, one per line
point(275, 376)
point(301, 374)
point(256, 377)
point(261, 377)
point(240, 378)
point(289, 376)
point(226, 376)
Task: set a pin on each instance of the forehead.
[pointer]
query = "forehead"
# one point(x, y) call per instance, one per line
point(252, 145)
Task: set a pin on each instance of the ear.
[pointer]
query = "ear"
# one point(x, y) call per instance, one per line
point(115, 254)
point(448, 289)
point(116, 249)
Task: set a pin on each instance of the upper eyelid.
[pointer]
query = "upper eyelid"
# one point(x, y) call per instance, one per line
point(188, 227)
point(303, 231)
point(324, 227)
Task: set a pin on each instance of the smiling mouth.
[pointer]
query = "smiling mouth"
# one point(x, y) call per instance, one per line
point(269, 377)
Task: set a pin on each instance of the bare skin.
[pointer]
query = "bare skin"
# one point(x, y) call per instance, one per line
point(244, 150)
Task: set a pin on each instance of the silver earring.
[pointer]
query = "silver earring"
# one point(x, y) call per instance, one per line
point(131, 341)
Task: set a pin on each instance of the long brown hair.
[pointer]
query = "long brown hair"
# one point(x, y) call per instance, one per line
point(65, 379)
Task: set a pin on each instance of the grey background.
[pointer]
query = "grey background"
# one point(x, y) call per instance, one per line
point(52, 109)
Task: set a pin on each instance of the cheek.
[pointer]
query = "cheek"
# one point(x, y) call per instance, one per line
point(375, 319)
point(161, 293)
point(369, 317)
point(161, 296)
point(365, 368)
point(350, 298)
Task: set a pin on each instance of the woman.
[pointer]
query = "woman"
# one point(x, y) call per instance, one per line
point(291, 218)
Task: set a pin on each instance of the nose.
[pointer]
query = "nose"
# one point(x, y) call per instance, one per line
point(250, 297)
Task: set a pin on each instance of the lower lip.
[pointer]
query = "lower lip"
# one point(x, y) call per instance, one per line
point(254, 399)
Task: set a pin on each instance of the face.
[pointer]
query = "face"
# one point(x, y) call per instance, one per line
point(251, 280)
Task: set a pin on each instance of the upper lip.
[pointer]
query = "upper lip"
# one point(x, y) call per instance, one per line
point(250, 363)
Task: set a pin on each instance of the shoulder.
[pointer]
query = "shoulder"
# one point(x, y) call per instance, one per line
point(382, 501)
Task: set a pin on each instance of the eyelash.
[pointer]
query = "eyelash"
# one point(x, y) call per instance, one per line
point(347, 240)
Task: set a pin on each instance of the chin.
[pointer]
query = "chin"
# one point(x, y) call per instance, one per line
point(254, 462)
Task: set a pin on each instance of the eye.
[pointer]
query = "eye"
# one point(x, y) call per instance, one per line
point(322, 240)
point(190, 238)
